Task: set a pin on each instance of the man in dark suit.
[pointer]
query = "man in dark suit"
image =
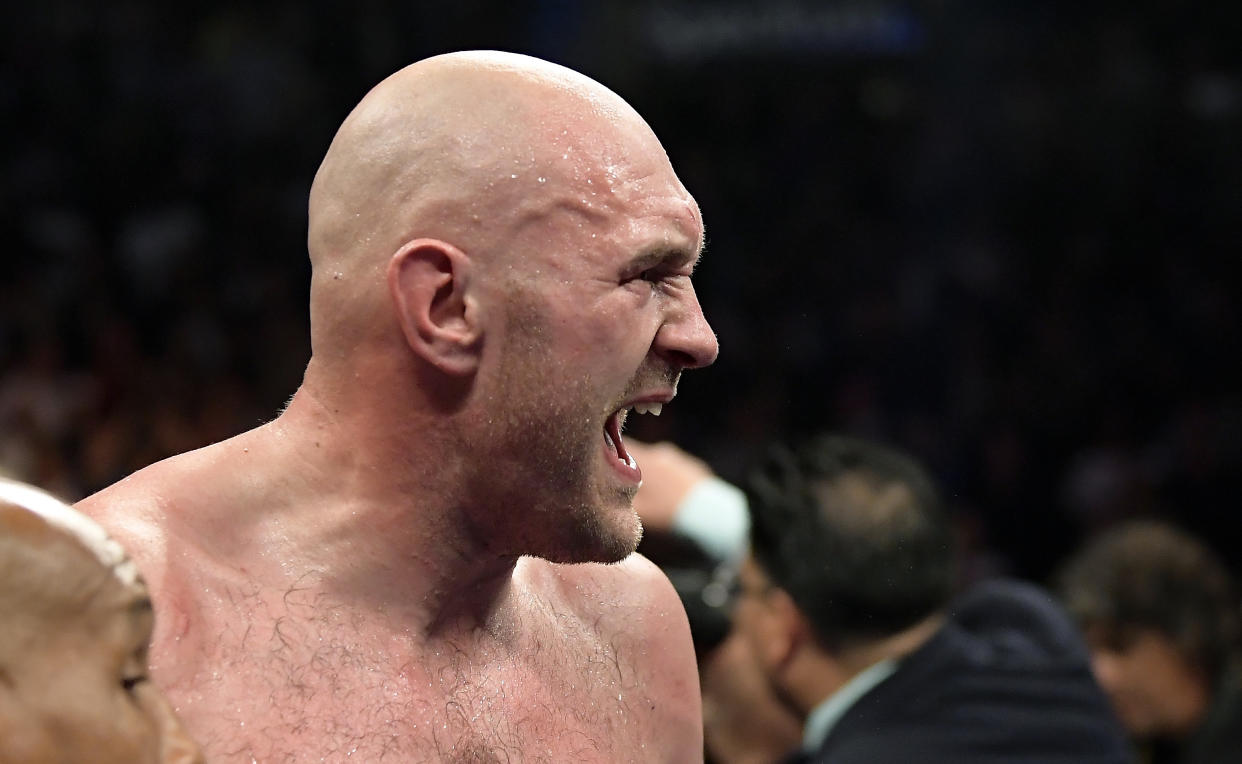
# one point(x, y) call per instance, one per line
point(846, 600)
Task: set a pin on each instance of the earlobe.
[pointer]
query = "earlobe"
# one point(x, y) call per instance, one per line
point(428, 282)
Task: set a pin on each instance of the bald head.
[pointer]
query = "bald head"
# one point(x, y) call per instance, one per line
point(54, 560)
point(460, 148)
point(73, 642)
point(25, 507)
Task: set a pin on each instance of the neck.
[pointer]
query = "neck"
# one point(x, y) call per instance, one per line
point(351, 501)
point(821, 673)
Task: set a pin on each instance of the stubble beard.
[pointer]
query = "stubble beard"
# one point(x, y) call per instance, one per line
point(547, 437)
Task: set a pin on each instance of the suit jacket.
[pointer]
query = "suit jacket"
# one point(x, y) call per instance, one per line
point(1006, 680)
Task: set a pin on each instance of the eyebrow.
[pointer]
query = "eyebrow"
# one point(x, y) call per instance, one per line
point(666, 256)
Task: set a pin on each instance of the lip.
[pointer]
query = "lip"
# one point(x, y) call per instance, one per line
point(627, 473)
point(631, 472)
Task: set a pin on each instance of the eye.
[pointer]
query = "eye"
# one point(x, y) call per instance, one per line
point(134, 670)
point(653, 276)
point(650, 275)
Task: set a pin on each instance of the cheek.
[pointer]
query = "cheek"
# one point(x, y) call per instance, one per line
point(731, 674)
point(1108, 669)
point(104, 730)
point(615, 318)
point(1130, 685)
point(23, 736)
point(172, 741)
point(747, 625)
point(606, 338)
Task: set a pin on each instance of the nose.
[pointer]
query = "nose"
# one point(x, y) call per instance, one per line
point(685, 339)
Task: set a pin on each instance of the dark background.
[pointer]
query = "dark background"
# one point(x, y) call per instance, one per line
point(999, 235)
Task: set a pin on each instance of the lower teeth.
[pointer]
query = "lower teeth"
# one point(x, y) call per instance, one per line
point(629, 459)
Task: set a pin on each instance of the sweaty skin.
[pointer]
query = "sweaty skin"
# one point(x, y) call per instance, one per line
point(501, 259)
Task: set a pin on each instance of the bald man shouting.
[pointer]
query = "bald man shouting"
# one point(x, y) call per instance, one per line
point(428, 556)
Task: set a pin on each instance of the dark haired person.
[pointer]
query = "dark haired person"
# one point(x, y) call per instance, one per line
point(695, 528)
point(847, 602)
point(1161, 618)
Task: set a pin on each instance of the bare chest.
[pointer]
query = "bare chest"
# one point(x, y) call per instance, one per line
point(290, 689)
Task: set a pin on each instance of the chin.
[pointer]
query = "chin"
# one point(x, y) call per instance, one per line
point(602, 549)
point(620, 531)
point(592, 534)
point(622, 548)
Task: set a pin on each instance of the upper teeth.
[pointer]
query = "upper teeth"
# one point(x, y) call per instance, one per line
point(649, 408)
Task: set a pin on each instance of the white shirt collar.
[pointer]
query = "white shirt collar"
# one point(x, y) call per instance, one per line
point(824, 717)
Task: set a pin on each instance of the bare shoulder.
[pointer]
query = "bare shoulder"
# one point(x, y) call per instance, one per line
point(635, 609)
point(629, 598)
point(147, 513)
point(132, 510)
point(142, 511)
point(136, 509)
point(635, 582)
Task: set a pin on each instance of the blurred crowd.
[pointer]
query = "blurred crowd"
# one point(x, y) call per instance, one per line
point(998, 237)
point(829, 619)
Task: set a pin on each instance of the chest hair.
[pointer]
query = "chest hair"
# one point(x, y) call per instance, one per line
point(275, 683)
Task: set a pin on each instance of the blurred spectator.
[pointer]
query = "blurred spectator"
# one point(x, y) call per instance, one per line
point(846, 601)
point(1161, 616)
point(695, 529)
point(73, 644)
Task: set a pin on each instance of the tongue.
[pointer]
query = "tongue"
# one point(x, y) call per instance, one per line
point(612, 434)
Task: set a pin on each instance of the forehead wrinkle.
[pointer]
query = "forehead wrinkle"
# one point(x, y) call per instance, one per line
point(668, 198)
point(669, 230)
point(649, 247)
point(569, 206)
point(540, 221)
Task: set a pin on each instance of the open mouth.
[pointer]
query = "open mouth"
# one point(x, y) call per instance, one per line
point(616, 423)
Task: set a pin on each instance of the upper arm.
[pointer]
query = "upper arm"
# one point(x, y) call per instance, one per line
point(652, 636)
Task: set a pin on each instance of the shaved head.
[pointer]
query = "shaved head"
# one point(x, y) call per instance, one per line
point(73, 643)
point(501, 255)
point(54, 558)
point(18, 500)
point(463, 148)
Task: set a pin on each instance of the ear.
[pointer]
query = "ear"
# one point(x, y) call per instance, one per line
point(790, 629)
point(428, 280)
